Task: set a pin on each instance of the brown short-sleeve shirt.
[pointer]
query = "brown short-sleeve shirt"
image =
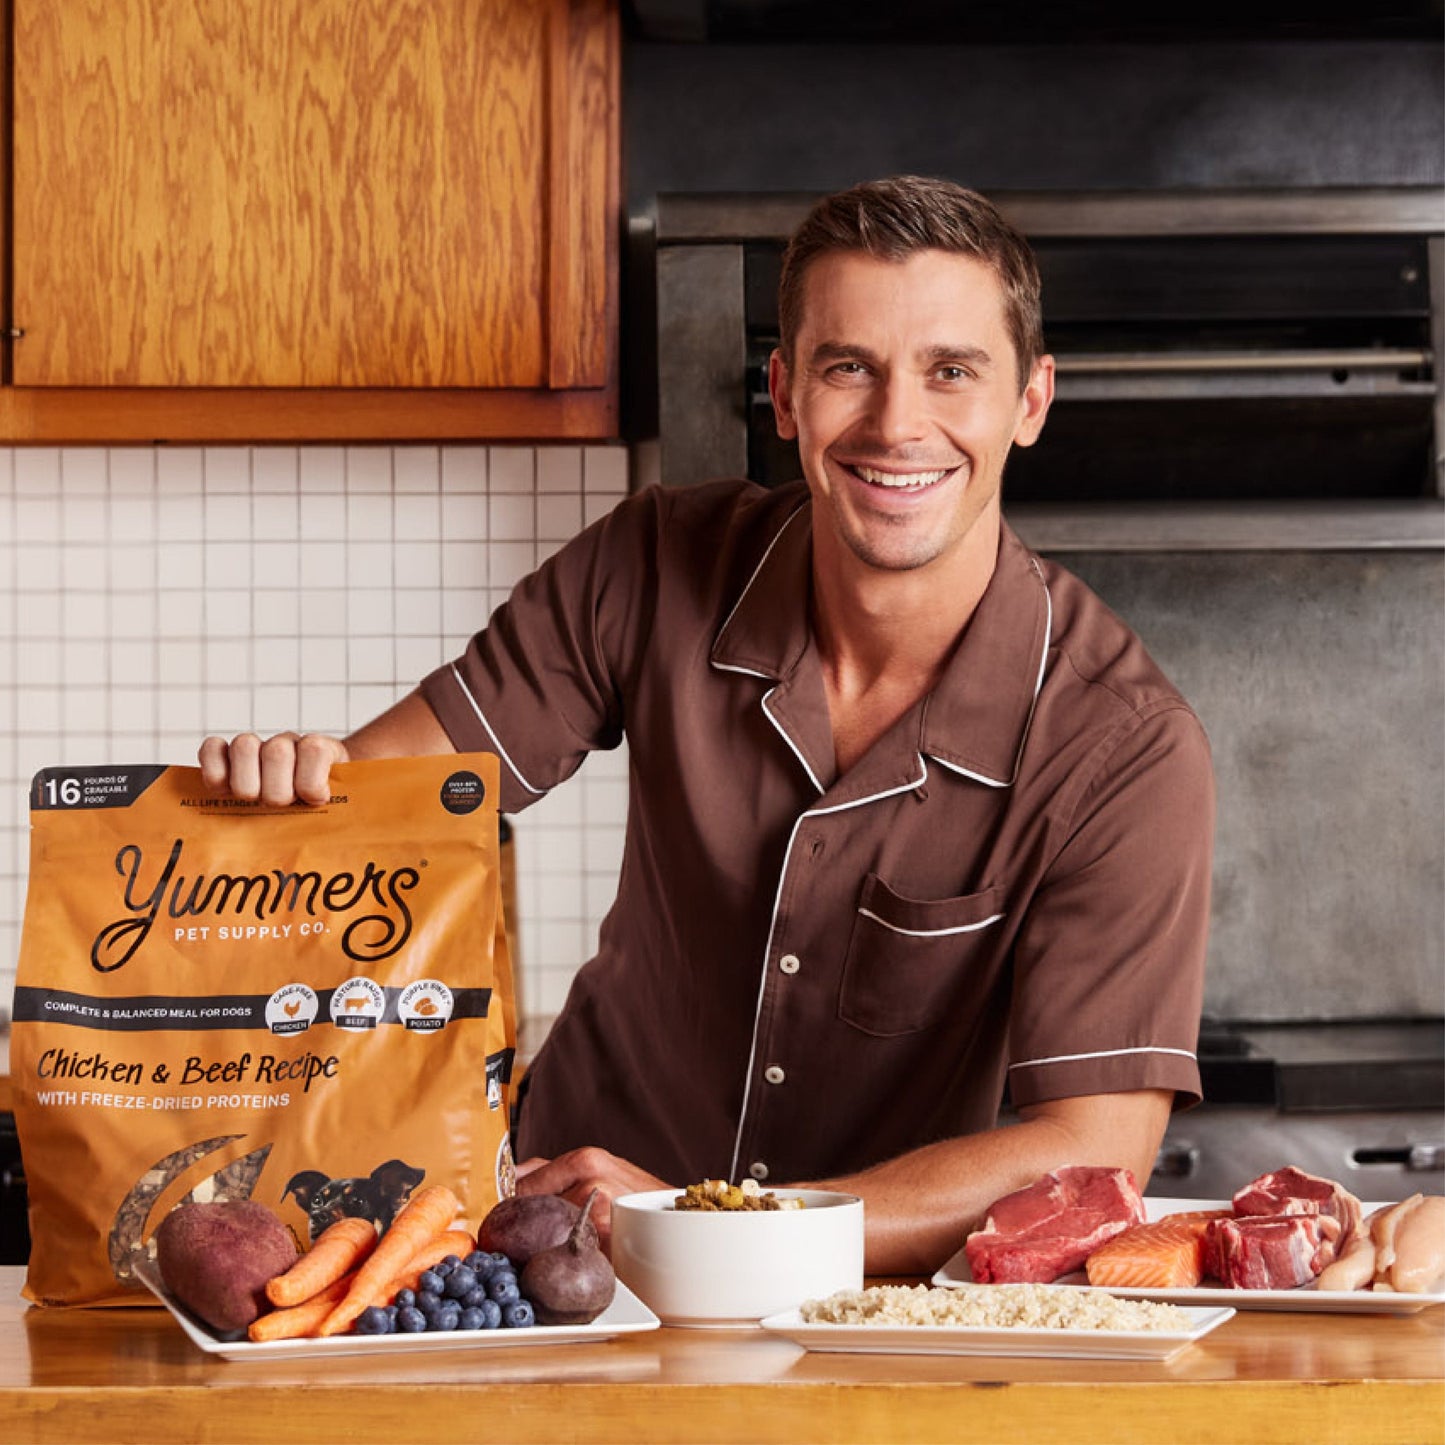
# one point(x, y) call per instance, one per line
point(806, 973)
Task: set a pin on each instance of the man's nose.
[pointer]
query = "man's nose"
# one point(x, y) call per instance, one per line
point(899, 411)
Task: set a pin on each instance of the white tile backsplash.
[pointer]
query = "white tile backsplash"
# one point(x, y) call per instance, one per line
point(149, 595)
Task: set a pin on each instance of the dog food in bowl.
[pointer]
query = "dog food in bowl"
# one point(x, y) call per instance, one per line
point(718, 1194)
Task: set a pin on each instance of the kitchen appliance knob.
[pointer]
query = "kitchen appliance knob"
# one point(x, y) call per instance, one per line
point(1177, 1161)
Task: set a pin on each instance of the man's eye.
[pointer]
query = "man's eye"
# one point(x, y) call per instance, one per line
point(847, 369)
point(953, 373)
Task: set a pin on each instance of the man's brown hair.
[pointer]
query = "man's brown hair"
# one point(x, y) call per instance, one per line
point(895, 218)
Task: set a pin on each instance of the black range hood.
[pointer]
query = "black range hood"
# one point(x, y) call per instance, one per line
point(1043, 21)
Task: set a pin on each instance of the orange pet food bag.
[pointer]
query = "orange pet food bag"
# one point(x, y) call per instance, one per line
point(307, 1006)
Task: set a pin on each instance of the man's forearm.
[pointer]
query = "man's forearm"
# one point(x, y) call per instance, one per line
point(920, 1206)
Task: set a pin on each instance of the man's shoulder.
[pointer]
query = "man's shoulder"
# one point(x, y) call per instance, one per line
point(717, 528)
point(725, 505)
point(1100, 651)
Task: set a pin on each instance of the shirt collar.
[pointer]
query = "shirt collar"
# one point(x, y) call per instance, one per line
point(768, 630)
point(975, 720)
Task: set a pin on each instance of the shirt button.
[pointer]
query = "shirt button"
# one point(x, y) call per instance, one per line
point(789, 963)
point(773, 1074)
point(758, 1169)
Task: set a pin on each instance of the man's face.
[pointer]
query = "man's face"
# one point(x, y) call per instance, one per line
point(903, 397)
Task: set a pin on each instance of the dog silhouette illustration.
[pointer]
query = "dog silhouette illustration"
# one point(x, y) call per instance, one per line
point(377, 1197)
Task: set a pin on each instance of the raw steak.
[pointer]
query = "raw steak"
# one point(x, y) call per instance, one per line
point(1038, 1233)
point(1292, 1191)
point(1276, 1251)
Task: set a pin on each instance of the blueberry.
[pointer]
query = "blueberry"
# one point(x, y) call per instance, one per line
point(474, 1297)
point(518, 1315)
point(461, 1282)
point(476, 1259)
point(504, 1291)
point(404, 1297)
point(472, 1319)
point(448, 1264)
point(447, 1317)
point(410, 1321)
point(373, 1320)
point(431, 1282)
point(491, 1314)
point(428, 1303)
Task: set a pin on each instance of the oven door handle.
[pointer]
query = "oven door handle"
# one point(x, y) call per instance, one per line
point(1412, 1158)
point(1132, 363)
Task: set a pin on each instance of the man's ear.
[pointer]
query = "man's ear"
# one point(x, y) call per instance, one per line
point(781, 391)
point(1034, 404)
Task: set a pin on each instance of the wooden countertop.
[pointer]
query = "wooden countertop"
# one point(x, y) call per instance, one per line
point(122, 1375)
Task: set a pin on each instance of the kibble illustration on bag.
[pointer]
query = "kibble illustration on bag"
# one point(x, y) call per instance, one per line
point(311, 1007)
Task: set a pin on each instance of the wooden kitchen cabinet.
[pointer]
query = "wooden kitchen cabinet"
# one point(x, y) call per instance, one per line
point(312, 220)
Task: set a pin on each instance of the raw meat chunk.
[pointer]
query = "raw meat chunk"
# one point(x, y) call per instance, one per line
point(1279, 1251)
point(1049, 1228)
point(1292, 1191)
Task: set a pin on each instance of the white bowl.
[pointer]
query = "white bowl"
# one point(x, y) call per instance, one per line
point(733, 1267)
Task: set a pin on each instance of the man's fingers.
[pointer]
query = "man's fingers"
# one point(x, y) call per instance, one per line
point(243, 766)
point(213, 757)
point(313, 755)
point(278, 770)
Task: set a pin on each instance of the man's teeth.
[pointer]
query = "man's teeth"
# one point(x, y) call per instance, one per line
point(899, 479)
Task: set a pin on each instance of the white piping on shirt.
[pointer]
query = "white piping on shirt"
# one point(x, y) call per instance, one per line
point(929, 932)
point(746, 671)
point(1100, 1054)
point(773, 926)
point(496, 742)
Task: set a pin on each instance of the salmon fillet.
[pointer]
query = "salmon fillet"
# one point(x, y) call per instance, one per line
point(1168, 1254)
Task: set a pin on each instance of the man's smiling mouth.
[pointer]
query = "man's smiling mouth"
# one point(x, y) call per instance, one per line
point(908, 481)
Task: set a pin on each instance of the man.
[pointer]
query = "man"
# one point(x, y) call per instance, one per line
point(912, 814)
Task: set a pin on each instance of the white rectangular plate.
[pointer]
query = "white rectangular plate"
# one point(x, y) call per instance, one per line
point(1306, 1298)
point(624, 1316)
point(1054, 1344)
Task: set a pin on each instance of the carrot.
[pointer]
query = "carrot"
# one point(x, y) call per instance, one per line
point(450, 1241)
point(339, 1248)
point(302, 1319)
point(424, 1216)
point(299, 1320)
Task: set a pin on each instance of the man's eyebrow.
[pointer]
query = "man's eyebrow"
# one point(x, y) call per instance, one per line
point(841, 351)
point(974, 356)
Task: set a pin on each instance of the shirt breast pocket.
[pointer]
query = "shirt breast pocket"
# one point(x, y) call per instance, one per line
point(906, 956)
